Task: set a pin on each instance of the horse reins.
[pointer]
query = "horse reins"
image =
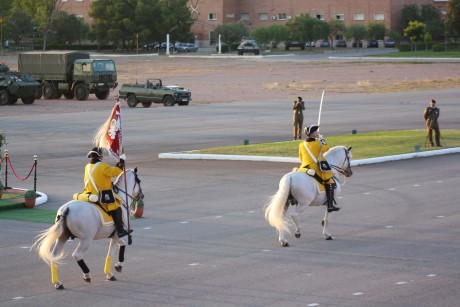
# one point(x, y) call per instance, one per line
point(346, 172)
point(137, 181)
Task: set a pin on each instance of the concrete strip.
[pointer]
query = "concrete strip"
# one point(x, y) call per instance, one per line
point(192, 156)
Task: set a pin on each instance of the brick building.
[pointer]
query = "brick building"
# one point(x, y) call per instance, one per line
point(254, 13)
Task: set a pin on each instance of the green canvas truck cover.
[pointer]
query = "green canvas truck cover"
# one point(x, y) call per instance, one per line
point(41, 63)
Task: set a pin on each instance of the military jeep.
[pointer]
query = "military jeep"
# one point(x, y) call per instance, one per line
point(15, 85)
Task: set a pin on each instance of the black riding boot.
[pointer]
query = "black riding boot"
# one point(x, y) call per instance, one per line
point(330, 198)
point(117, 216)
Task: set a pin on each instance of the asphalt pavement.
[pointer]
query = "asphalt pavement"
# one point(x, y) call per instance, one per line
point(203, 240)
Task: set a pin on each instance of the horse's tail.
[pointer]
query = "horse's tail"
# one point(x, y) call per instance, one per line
point(45, 240)
point(275, 209)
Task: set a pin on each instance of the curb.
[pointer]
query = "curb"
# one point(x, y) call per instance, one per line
point(188, 155)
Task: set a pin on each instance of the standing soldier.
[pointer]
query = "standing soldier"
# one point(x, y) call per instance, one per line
point(431, 116)
point(298, 106)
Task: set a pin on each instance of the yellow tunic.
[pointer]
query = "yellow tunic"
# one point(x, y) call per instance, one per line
point(102, 177)
point(317, 149)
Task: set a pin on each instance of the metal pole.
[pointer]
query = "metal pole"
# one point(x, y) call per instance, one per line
point(6, 169)
point(35, 173)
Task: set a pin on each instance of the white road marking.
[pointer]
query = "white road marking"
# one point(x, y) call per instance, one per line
point(147, 228)
point(184, 222)
point(266, 250)
point(18, 297)
point(416, 185)
point(440, 216)
point(194, 264)
point(431, 275)
point(401, 283)
point(358, 293)
point(313, 304)
point(218, 216)
point(392, 189)
point(389, 226)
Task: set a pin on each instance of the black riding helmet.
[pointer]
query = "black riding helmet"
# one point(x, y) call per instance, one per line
point(96, 152)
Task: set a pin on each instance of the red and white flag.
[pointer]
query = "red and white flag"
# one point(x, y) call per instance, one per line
point(109, 135)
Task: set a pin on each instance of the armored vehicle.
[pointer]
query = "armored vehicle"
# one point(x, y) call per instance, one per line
point(69, 73)
point(14, 85)
point(154, 91)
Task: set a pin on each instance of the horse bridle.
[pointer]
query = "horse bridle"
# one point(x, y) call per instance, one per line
point(347, 172)
point(137, 181)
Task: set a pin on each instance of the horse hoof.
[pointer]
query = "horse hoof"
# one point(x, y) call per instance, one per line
point(297, 235)
point(59, 286)
point(118, 268)
point(87, 279)
point(284, 244)
point(329, 237)
point(111, 277)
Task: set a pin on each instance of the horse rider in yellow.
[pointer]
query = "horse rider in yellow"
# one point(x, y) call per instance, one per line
point(98, 182)
point(311, 154)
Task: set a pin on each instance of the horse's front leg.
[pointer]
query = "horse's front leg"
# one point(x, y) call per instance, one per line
point(121, 255)
point(325, 222)
point(78, 256)
point(108, 260)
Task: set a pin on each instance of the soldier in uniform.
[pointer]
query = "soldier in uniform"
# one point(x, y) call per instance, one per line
point(98, 182)
point(431, 116)
point(298, 106)
point(311, 154)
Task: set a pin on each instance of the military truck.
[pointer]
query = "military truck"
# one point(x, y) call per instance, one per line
point(69, 73)
point(14, 85)
point(154, 91)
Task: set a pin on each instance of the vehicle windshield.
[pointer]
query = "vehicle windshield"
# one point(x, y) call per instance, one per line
point(104, 66)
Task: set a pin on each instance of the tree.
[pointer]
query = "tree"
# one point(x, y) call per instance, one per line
point(68, 28)
point(335, 27)
point(356, 32)
point(376, 30)
point(308, 29)
point(177, 19)
point(415, 31)
point(271, 35)
point(42, 11)
point(230, 33)
point(410, 13)
point(452, 18)
point(19, 25)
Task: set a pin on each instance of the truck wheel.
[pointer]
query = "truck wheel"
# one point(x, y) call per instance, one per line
point(39, 92)
point(146, 104)
point(81, 92)
point(69, 95)
point(168, 101)
point(28, 100)
point(48, 91)
point(13, 99)
point(132, 102)
point(102, 94)
point(58, 94)
point(4, 97)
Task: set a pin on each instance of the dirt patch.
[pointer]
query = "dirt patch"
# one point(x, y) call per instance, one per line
point(216, 80)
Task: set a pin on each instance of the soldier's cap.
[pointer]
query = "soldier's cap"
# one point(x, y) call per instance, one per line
point(96, 150)
point(310, 129)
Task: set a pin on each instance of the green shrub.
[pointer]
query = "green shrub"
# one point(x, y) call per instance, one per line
point(30, 194)
point(2, 187)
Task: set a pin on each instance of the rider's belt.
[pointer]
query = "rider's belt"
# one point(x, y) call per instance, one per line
point(316, 176)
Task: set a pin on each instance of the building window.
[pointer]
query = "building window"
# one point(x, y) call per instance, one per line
point(211, 38)
point(320, 16)
point(79, 16)
point(230, 15)
point(379, 16)
point(244, 16)
point(340, 16)
point(282, 16)
point(358, 16)
point(263, 16)
point(212, 16)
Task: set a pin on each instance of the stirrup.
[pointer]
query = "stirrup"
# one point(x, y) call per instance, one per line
point(332, 209)
point(122, 233)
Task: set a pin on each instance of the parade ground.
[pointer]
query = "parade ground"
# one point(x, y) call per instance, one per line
point(203, 240)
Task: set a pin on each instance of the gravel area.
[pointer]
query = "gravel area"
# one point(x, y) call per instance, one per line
point(230, 79)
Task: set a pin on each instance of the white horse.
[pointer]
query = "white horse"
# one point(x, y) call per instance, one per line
point(82, 220)
point(304, 188)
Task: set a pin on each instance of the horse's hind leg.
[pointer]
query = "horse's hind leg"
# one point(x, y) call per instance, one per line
point(121, 255)
point(78, 256)
point(54, 268)
point(108, 260)
point(325, 222)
